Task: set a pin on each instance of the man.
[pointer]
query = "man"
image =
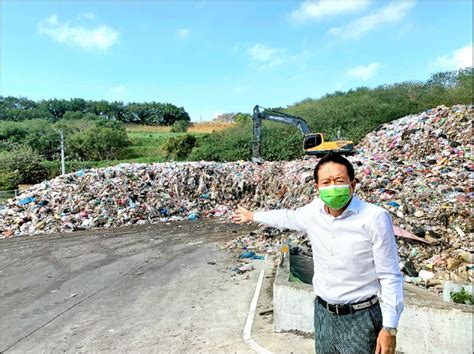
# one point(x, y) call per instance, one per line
point(355, 257)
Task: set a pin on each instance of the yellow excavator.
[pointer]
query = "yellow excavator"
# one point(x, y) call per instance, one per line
point(313, 143)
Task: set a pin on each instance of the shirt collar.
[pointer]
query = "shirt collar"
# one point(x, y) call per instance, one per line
point(352, 208)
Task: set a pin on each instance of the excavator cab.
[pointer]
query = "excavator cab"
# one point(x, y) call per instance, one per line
point(314, 144)
point(312, 140)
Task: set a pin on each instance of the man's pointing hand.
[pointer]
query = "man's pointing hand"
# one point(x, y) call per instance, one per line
point(242, 215)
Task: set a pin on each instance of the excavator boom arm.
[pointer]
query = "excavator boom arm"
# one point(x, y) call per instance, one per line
point(275, 116)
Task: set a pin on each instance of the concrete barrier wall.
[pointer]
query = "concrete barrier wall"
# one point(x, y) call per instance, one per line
point(292, 308)
point(427, 325)
point(293, 303)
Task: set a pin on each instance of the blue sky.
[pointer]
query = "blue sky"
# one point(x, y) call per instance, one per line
point(225, 56)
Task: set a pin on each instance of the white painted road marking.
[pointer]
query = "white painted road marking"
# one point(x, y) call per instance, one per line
point(251, 316)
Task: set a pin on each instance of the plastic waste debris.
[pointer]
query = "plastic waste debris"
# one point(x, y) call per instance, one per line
point(425, 275)
point(246, 268)
point(250, 255)
point(192, 216)
point(409, 269)
point(26, 200)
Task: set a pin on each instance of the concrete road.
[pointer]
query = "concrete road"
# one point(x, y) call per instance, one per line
point(148, 288)
point(155, 288)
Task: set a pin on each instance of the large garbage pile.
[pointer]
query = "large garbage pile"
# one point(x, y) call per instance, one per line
point(418, 167)
point(127, 194)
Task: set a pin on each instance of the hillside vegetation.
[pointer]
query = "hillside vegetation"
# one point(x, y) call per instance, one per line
point(355, 113)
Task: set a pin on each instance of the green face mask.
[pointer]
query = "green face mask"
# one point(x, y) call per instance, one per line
point(335, 197)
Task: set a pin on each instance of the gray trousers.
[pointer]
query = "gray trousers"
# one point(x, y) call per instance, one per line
point(353, 333)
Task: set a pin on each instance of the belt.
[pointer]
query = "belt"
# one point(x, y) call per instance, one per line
point(346, 309)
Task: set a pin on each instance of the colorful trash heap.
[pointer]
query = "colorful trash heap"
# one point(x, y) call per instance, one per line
point(419, 168)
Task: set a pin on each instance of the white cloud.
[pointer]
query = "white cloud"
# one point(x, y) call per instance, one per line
point(460, 59)
point(183, 32)
point(364, 72)
point(100, 37)
point(265, 56)
point(87, 15)
point(392, 13)
point(52, 20)
point(316, 10)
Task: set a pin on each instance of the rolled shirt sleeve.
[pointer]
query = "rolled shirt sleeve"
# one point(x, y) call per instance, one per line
point(388, 269)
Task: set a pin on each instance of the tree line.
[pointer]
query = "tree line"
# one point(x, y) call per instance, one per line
point(149, 113)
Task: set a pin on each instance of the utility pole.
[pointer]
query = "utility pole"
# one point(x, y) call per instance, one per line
point(63, 166)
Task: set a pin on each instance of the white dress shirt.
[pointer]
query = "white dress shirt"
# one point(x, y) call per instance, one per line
point(355, 254)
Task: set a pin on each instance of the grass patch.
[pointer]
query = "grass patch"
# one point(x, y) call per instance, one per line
point(147, 141)
point(139, 138)
point(147, 145)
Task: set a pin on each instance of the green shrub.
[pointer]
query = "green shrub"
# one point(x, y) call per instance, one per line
point(21, 166)
point(179, 147)
point(231, 144)
point(280, 142)
point(7, 181)
point(39, 134)
point(180, 126)
point(97, 143)
point(462, 297)
point(243, 118)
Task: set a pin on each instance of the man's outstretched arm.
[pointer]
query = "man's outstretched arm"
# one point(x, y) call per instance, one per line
point(282, 219)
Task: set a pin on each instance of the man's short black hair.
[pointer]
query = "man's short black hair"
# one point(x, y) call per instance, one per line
point(337, 158)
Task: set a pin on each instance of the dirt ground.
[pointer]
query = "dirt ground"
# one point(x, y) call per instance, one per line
point(154, 288)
